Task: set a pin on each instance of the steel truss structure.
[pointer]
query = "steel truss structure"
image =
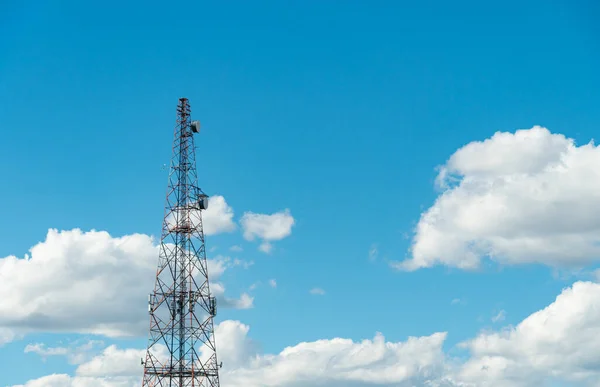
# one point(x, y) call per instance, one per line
point(181, 350)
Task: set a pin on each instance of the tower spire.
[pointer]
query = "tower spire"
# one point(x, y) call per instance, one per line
point(181, 349)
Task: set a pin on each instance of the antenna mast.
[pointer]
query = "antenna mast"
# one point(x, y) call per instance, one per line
point(181, 348)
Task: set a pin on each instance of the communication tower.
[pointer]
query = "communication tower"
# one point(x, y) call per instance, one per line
point(181, 349)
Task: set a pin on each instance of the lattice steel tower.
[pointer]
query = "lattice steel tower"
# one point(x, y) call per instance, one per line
point(181, 349)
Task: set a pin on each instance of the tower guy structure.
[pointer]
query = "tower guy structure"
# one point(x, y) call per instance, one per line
point(181, 349)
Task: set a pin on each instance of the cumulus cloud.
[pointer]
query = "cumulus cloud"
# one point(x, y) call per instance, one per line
point(216, 219)
point(244, 302)
point(557, 343)
point(524, 197)
point(266, 227)
point(116, 362)
point(234, 346)
point(343, 362)
point(87, 282)
point(336, 362)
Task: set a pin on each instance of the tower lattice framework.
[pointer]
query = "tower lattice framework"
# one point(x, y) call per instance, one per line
point(181, 350)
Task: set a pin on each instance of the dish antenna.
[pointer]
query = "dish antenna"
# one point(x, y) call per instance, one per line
point(195, 126)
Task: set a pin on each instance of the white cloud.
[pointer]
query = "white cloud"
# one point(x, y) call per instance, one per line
point(524, 197)
point(268, 228)
point(114, 362)
point(342, 362)
point(75, 352)
point(7, 335)
point(234, 347)
point(244, 302)
point(500, 316)
point(218, 217)
point(113, 367)
point(556, 344)
point(373, 252)
point(254, 286)
point(63, 380)
point(236, 248)
point(244, 264)
point(272, 283)
point(336, 362)
point(44, 351)
point(317, 291)
point(87, 282)
point(266, 247)
point(559, 342)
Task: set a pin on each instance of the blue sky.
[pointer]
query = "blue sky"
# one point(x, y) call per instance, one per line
point(339, 112)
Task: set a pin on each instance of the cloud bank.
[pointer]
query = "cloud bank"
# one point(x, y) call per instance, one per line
point(556, 344)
